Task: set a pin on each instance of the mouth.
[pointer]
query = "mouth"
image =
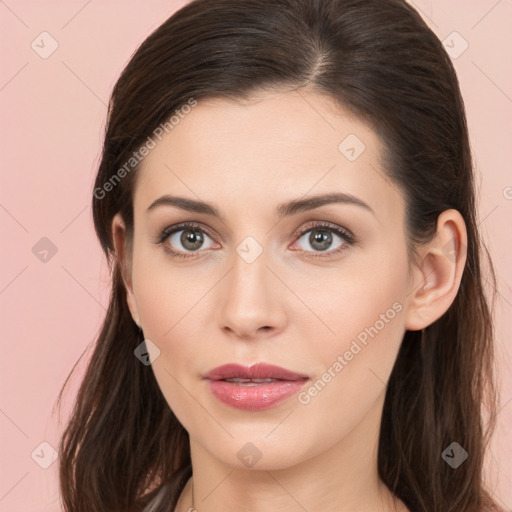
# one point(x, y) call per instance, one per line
point(253, 388)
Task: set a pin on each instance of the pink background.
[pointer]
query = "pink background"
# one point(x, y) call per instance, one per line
point(53, 113)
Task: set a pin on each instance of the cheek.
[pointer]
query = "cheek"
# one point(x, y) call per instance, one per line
point(166, 307)
point(174, 308)
point(355, 366)
point(364, 313)
point(366, 291)
point(163, 294)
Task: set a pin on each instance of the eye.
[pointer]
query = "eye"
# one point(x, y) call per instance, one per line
point(322, 236)
point(187, 238)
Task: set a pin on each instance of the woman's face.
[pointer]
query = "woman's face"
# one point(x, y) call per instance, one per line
point(263, 282)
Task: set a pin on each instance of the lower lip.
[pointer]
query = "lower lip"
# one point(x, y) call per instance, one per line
point(256, 397)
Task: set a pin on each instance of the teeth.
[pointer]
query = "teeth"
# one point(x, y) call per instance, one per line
point(244, 381)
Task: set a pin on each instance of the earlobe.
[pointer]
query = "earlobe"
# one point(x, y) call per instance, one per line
point(122, 259)
point(437, 279)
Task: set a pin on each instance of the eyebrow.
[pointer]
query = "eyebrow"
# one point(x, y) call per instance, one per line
point(286, 209)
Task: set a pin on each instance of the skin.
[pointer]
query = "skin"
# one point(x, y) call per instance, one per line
point(286, 307)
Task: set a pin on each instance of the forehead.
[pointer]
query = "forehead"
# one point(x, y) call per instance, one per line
point(275, 147)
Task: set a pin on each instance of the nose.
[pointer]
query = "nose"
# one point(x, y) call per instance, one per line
point(251, 299)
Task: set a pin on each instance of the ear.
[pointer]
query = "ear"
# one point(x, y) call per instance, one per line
point(123, 259)
point(439, 272)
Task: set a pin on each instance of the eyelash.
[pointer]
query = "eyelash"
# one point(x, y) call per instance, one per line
point(343, 233)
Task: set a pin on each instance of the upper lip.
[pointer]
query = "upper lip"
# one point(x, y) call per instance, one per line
point(256, 371)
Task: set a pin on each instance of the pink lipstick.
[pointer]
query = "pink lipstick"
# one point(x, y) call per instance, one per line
point(253, 388)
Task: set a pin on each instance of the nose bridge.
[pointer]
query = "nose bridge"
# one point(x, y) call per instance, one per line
point(249, 274)
point(249, 300)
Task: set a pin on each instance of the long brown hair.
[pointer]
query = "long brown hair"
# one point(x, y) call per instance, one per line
point(379, 60)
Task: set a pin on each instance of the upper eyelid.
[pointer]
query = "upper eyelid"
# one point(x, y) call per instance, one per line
point(170, 230)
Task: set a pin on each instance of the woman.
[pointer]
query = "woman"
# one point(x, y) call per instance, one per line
point(297, 318)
